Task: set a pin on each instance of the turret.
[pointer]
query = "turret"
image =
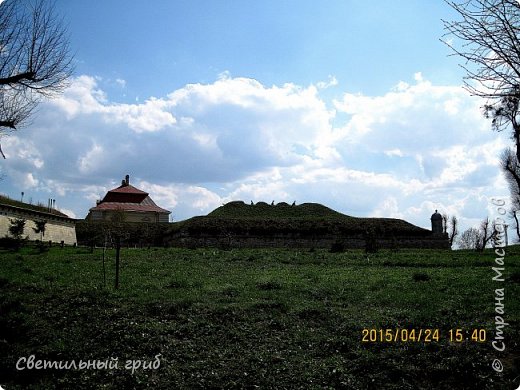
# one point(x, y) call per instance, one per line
point(436, 223)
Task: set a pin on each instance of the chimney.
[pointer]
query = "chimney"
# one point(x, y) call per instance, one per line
point(127, 179)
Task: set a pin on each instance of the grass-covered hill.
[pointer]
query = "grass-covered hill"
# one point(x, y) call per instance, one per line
point(262, 210)
point(306, 218)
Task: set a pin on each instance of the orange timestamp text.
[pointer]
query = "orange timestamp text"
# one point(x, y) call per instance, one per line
point(422, 335)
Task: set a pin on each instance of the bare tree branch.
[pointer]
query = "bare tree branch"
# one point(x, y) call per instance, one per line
point(35, 60)
point(487, 38)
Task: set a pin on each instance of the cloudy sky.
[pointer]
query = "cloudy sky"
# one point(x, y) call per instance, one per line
point(353, 104)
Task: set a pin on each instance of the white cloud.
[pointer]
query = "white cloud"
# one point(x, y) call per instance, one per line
point(331, 82)
point(388, 208)
point(84, 97)
point(70, 213)
point(394, 152)
point(193, 200)
point(90, 159)
point(121, 83)
point(418, 147)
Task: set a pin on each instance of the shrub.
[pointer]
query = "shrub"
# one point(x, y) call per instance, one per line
point(17, 227)
point(421, 277)
point(8, 243)
point(337, 247)
point(269, 285)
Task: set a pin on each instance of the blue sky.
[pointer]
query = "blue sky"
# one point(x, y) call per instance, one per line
point(352, 104)
point(365, 45)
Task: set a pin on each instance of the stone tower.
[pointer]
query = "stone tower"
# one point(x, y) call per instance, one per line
point(436, 223)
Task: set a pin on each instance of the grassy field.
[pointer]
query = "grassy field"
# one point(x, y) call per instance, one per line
point(256, 319)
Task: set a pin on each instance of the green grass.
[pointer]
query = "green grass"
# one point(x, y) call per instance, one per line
point(262, 210)
point(244, 318)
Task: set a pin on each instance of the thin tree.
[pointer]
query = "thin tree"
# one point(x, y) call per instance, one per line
point(35, 60)
point(511, 168)
point(40, 228)
point(450, 227)
point(118, 231)
point(485, 233)
point(514, 215)
point(453, 229)
point(445, 219)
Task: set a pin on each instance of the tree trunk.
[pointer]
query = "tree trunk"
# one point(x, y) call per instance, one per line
point(118, 249)
point(104, 268)
point(517, 225)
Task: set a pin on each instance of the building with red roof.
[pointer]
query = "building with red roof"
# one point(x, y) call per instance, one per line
point(136, 206)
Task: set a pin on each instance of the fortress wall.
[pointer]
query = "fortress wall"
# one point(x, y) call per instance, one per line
point(56, 230)
point(353, 242)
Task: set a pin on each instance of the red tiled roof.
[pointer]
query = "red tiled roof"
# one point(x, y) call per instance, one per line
point(128, 189)
point(128, 198)
point(125, 194)
point(135, 207)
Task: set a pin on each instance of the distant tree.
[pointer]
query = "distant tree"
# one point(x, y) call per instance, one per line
point(89, 232)
point(40, 228)
point(453, 229)
point(514, 215)
point(477, 238)
point(486, 233)
point(17, 227)
point(35, 60)
point(511, 168)
point(450, 227)
point(445, 218)
point(469, 239)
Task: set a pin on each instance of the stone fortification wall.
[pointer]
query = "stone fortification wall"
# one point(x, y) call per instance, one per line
point(237, 225)
point(355, 241)
point(56, 229)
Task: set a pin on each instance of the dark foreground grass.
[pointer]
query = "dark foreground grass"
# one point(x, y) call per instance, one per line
point(256, 319)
